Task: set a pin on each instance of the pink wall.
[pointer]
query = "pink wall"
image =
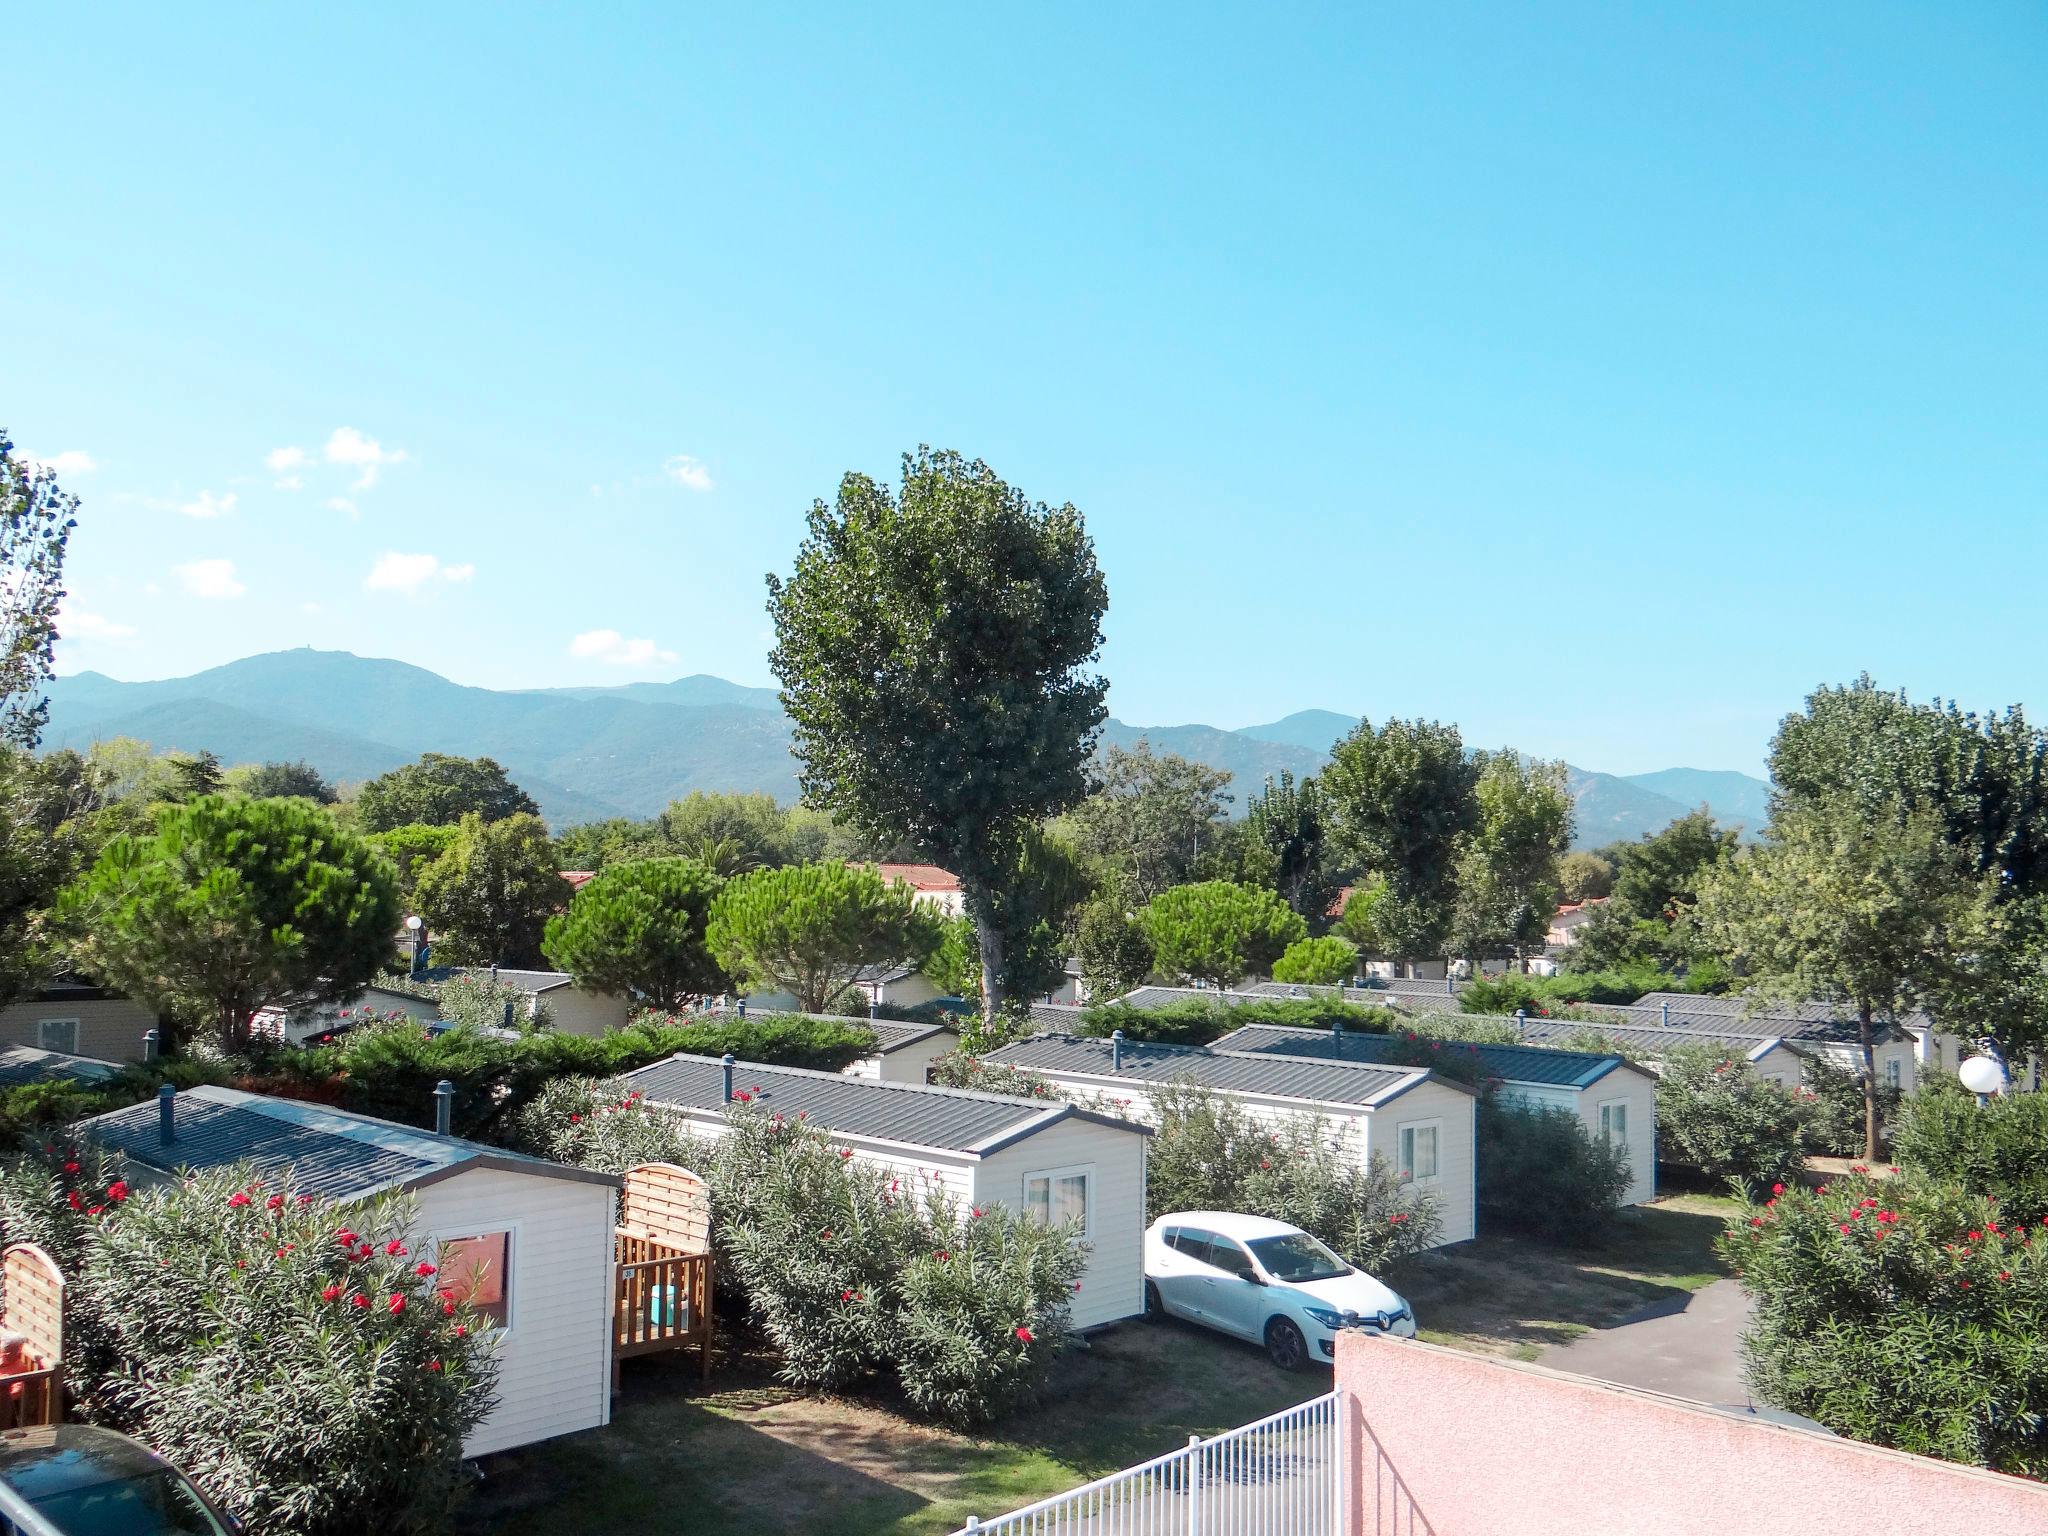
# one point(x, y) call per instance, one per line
point(1486, 1448)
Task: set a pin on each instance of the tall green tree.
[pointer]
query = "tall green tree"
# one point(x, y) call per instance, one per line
point(1150, 817)
point(1873, 915)
point(411, 850)
point(729, 833)
point(36, 519)
point(810, 929)
point(637, 930)
point(1034, 908)
point(1507, 864)
point(281, 781)
point(1291, 823)
point(1583, 876)
point(934, 649)
point(1318, 962)
point(440, 790)
point(42, 846)
point(1401, 799)
point(233, 906)
point(487, 898)
point(1219, 932)
point(1656, 881)
point(1114, 951)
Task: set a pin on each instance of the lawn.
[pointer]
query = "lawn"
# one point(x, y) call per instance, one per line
point(750, 1456)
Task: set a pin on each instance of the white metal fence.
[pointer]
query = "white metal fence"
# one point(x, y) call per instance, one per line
point(1282, 1476)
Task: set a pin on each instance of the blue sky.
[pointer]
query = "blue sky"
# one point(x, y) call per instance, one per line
point(1599, 378)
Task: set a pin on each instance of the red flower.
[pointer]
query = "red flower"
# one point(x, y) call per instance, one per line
point(977, 1215)
point(845, 1153)
point(359, 1301)
point(575, 1119)
point(94, 1210)
point(1777, 1189)
point(346, 1238)
point(846, 1295)
point(1845, 1228)
point(396, 1304)
point(423, 1269)
point(2005, 1274)
point(1756, 1221)
point(331, 1293)
point(71, 1167)
point(434, 1365)
point(942, 1255)
point(461, 1331)
point(1024, 1334)
point(118, 1191)
point(76, 1203)
point(1976, 1237)
point(1964, 1284)
point(273, 1202)
point(395, 1249)
point(238, 1199)
point(447, 1309)
point(287, 1248)
point(826, 1234)
point(305, 1199)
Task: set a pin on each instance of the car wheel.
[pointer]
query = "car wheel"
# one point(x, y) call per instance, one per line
point(1285, 1346)
point(1155, 1308)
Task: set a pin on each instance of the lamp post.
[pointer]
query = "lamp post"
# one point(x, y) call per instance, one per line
point(1983, 1076)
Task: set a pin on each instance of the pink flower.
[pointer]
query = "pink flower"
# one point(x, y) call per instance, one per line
point(396, 1304)
point(423, 1269)
point(238, 1199)
point(331, 1293)
point(1025, 1334)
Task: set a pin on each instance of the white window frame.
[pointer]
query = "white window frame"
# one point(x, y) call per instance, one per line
point(1894, 1073)
point(1083, 1171)
point(1404, 1153)
point(513, 1237)
point(1607, 1106)
point(43, 1044)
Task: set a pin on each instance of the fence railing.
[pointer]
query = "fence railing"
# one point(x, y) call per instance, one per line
point(1281, 1476)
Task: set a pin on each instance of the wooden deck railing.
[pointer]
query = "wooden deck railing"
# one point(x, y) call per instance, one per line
point(662, 1298)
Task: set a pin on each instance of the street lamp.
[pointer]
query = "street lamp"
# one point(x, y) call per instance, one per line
point(1983, 1076)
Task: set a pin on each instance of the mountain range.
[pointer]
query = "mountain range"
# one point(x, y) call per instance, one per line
point(588, 753)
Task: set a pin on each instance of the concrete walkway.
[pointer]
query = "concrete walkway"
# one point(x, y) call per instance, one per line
point(1687, 1349)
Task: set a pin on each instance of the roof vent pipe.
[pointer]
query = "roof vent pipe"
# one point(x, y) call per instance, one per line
point(152, 1045)
point(167, 1114)
point(1116, 1050)
point(1450, 985)
point(1522, 1022)
point(743, 1007)
point(1664, 1013)
point(1337, 1032)
point(494, 970)
point(874, 1003)
point(726, 1063)
point(444, 1107)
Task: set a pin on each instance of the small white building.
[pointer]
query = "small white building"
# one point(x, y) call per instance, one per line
point(1817, 1028)
point(1777, 1060)
point(76, 1018)
point(533, 1237)
point(904, 1053)
point(932, 886)
point(1032, 1155)
point(1419, 1124)
point(1615, 1100)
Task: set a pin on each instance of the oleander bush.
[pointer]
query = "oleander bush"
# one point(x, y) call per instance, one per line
point(1542, 1173)
point(1197, 1021)
point(1906, 1311)
point(1999, 1150)
point(962, 1069)
point(1716, 1114)
point(1209, 1155)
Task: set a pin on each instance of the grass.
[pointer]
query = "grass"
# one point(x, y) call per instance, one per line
point(1514, 1297)
point(752, 1456)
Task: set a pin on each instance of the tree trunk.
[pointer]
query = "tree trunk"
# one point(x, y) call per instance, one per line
point(991, 943)
point(1865, 1039)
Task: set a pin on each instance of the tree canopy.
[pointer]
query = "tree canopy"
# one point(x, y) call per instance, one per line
point(1328, 961)
point(440, 790)
point(1220, 932)
point(934, 648)
point(637, 930)
point(1656, 881)
point(488, 897)
point(281, 781)
point(1401, 798)
point(36, 519)
point(233, 906)
point(1149, 817)
point(811, 929)
point(1291, 823)
point(727, 833)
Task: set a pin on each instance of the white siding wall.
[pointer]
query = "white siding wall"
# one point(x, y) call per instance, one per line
point(578, 1012)
point(1113, 1286)
point(910, 1064)
point(1639, 1093)
point(1454, 1187)
point(1780, 1066)
point(110, 1028)
point(1849, 1057)
point(556, 1357)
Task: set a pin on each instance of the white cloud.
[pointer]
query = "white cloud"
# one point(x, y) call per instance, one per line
point(615, 650)
point(280, 460)
point(72, 461)
point(395, 572)
point(209, 578)
point(342, 504)
point(288, 483)
point(687, 472)
point(77, 624)
point(348, 446)
point(208, 505)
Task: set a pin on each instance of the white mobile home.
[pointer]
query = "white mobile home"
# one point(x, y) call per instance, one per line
point(1776, 1059)
point(76, 1018)
point(1421, 1125)
point(534, 1237)
point(904, 1053)
point(1614, 1099)
point(1031, 1155)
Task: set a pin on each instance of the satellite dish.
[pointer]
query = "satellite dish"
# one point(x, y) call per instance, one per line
point(1982, 1076)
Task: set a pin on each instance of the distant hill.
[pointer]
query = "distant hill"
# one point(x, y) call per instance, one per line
point(589, 753)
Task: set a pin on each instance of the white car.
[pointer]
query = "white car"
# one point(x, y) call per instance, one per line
point(1264, 1281)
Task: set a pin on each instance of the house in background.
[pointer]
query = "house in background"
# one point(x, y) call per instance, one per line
point(1815, 1029)
point(21, 1064)
point(77, 1018)
point(1566, 922)
point(934, 887)
point(1044, 1158)
point(527, 1242)
point(1419, 1124)
point(1615, 1100)
point(1776, 1059)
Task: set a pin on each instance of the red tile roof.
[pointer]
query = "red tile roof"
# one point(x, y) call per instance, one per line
point(921, 877)
point(578, 878)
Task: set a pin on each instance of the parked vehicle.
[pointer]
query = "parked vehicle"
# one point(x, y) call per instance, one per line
point(1264, 1281)
point(77, 1480)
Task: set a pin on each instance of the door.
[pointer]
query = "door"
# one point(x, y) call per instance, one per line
point(1234, 1300)
point(1184, 1272)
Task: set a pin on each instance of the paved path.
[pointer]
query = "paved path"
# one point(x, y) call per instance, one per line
point(1691, 1349)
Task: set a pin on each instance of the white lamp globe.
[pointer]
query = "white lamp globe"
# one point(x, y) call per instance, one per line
point(1981, 1075)
point(413, 923)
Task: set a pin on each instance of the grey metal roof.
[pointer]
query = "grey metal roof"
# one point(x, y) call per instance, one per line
point(910, 1114)
point(1690, 1005)
point(1166, 997)
point(526, 981)
point(323, 1151)
point(26, 1064)
point(1829, 1030)
point(1287, 1077)
point(1653, 1039)
point(1059, 1017)
point(1531, 1064)
point(890, 1034)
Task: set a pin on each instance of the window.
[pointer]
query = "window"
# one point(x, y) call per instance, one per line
point(1614, 1122)
point(58, 1035)
point(1417, 1159)
point(1892, 1074)
point(1191, 1244)
point(476, 1269)
point(1058, 1196)
point(1231, 1259)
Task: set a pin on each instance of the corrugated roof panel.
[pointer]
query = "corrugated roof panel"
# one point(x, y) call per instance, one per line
point(1510, 1063)
point(216, 1135)
point(1290, 1077)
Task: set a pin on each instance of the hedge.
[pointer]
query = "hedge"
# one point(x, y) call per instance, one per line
point(1198, 1021)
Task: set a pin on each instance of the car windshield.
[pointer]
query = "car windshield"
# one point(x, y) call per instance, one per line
point(153, 1504)
point(1297, 1257)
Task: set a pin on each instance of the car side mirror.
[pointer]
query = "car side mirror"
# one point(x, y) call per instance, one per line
point(1255, 1278)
